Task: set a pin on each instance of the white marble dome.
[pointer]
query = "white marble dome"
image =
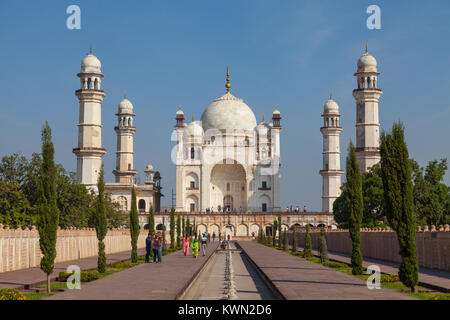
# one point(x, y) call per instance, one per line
point(367, 63)
point(91, 64)
point(125, 106)
point(331, 107)
point(228, 113)
point(194, 129)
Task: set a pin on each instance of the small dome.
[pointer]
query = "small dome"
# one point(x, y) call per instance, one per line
point(331, 107)
point(228, 113)
point(367, 63)
point(180, 112)
point(125, 106)
point(276, 111)
point(149, 167)
point(194, 129)
point(91, 64)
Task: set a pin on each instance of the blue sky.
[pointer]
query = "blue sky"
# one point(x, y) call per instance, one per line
point(170, 53)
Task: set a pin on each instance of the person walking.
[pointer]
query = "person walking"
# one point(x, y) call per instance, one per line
point(220, 236)
point(229, 240)
point(214, 237)
point(157, 248)
point(194, 246)
point(209, 238)
point(148, 247)
point(204, 241)
point(186, 245)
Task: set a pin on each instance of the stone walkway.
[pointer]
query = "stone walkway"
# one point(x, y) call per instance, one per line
point(437, 279)
point(299, 279)
point(147, 281)
point(25, 278)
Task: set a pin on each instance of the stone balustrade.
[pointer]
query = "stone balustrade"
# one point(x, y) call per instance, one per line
point(433, 244)
point(19, 249)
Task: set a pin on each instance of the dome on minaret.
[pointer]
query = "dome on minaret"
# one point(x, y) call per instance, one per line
point(367, 63)
point(331, 106)
point(91, 64)
point(125, 106)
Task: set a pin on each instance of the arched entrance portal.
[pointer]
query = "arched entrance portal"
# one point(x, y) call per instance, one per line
point(228, 186)
point(229, 231)
point(228, 203)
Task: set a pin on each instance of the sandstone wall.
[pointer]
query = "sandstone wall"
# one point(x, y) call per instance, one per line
point(433, 247)
point(19, 249)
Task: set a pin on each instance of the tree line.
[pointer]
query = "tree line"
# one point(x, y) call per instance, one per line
point(19, 194)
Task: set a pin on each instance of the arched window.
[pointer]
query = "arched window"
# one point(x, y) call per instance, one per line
point(123, 203)
point(228, 186)
point(192, 153)
point(141, 205)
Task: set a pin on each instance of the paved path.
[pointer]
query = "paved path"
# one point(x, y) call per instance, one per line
point(25, 278)
point(437, 279)
point(299, 279)
point(147, 281)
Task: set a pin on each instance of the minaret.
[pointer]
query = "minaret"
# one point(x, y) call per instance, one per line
point(331, 172)
point(178, 158)
point(276, 158)
point(367, 97)
point(125, 130)
point(89, 151)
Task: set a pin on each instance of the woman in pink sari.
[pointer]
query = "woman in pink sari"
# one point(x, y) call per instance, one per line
point(186, 245)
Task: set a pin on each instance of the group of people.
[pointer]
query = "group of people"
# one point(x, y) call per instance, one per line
point(224, 209)
point(294, 209)
point(154, 243)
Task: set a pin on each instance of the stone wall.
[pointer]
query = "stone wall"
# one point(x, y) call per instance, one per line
point(19, 249)
point(433, 247)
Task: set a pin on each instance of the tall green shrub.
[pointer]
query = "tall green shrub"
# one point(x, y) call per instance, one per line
point(172, 228)
point(151, 221)
point(294, 240)
point(101, 225)
point(48, 212)
point(188, 227)
point(164, 243)
point(274, 232)
point(178, 230)
point(134, 227)
point(285, 241)
point(323, 246)
point(279, 231)
point(307, 252)
point(398, 196)
point(355, 206)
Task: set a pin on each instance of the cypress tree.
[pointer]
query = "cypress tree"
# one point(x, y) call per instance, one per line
point(355, 204)
point(101, 226)
point(48, 212)
point(134, 227)
point(398, 197)
point(294, 240)
point(151, 221)
point(183, 227)
point(164, 244)
point(178, 230)
point(279, 231)
point(307, 252)
point(323, 246)
point(172, 228)
point(188, 227)
point(285, 241)
point(274, 232)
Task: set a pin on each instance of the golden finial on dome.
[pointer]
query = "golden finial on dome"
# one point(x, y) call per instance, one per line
point(90, 48)
point(367, 48)
point(228, 85)
point(331, 95)
point(124, 94)
point(263, 117)
point(192, 117)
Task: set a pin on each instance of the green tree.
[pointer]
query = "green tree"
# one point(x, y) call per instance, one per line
point(323, 246)
point(431, 196)
point(101, 226)
point(398, 195)
point(114, 214)
point(151, 221)
point(274, 232)
point(279, 231)
point(172, 227)
point(183, 226)
point(48, 218)
point(294, 240)
point(134, 227)
point(164, 243)
point(355, 206)
point(285, 241)
point(340, 208)
point(178, 231)
point(188, 227)
point(307, 251)
point(14, 206)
